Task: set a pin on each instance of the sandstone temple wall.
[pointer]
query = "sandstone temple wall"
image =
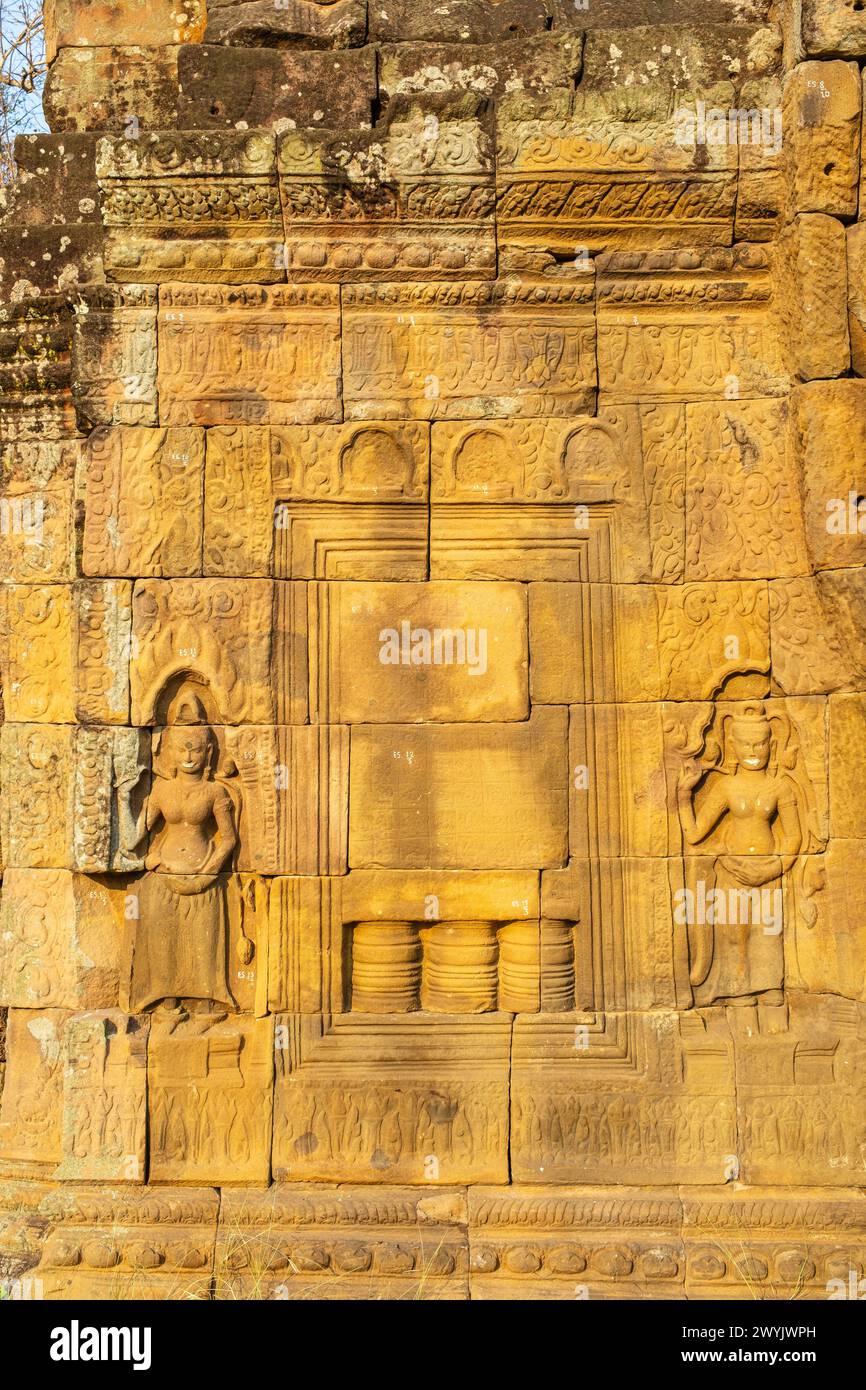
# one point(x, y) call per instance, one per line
point(433, 652)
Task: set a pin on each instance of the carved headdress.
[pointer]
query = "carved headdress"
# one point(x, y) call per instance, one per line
point(186, 710)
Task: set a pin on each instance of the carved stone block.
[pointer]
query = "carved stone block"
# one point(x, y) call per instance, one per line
point(294, 797)
point(318, 502)
point(581, 182)
point(66, 652)
point(420, 653)
point(599, 908)
point(665, 641)
point(60, 935)
point(822, 106)
point(204, 208)
point(509, 775)
point(248, 356)
point(210, 1094)
point(104, 1126)
point(418, 202)
point(743, 511)
point(31, 1106)
point(434, 1112)
point(241, 643)
point(130, 1242)
point(697, 326)
point(799, 1093)
point(347, 944)
point(532, 499)
point(62, 815)
point(743, 1241)
point(36, 374)
point(115, 356)
point(626, 1093)
point(315, 1241)
point(830, 420)
point(816, 631)
point(587, 1251)
point(143, 502)
point(466, 351)
point(813, 289)
point(36, 511)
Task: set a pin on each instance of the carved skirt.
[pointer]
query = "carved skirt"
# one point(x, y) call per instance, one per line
point(746, 951)
point(178, 946)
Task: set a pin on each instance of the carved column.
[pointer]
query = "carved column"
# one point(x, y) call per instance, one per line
point(386, 967)
point(460, 968)
point(519, 967)
point(557, 966)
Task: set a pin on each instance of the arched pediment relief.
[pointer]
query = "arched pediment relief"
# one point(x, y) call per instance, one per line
point(375, 462)
point(187, 698)
point(535, 461)
point(214, 634)
point(158, 697)
point(571, 489)
point(484, 465)
point(593, 463)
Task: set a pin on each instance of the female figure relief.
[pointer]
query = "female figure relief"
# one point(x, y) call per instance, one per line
point(762, 812)
point(180, 938)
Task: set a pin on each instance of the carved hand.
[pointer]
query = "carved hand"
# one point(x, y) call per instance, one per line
point(690, 774)
point(246, 950)
point(125, 783)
